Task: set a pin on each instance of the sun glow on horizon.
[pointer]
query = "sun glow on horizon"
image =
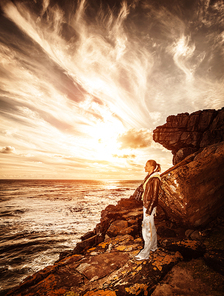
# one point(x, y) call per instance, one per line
point(84, 86)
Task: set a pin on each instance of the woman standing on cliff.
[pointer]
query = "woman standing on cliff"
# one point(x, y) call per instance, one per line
point(150, 201)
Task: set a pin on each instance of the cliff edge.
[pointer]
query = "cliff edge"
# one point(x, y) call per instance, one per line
point(187, 261)
point(186, 133)
point(190, 227)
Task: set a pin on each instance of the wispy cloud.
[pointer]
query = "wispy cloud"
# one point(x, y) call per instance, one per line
point(86, 79)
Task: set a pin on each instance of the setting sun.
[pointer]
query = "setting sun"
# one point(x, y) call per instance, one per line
point(84, 86)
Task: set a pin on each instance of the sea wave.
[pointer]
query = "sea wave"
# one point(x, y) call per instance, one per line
point(41, 218)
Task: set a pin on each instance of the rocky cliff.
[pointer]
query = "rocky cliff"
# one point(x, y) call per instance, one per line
point(186, 133)
point(103, 262)
point(190, 227)
point(192, 192)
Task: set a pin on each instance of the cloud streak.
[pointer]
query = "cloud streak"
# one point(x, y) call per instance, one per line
point(88, 79)
point(125, 156)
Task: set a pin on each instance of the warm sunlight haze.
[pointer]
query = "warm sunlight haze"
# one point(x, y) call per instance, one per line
point(84, 85)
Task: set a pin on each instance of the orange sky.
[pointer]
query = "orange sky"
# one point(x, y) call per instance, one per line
point(83, 86)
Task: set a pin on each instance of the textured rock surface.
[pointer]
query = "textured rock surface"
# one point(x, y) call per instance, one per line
point(192, 192)
point(192, 278)
point(185, 133)
point(188, 261)
point(117, 227)
point(109, 268)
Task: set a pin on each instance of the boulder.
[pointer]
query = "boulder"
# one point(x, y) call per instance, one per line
point(186, 133)
point(192, 192)
point(116, 227)
point(129, 210)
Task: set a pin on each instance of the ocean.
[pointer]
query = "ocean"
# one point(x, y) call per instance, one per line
point(41, 218)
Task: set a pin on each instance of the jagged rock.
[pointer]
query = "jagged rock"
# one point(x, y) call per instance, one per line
point(191, 278)
point(102, 265)
point(186, 133)
point(192, 192)
point(188, 248)
point(183, 153)
point(188, 232)
point(191, 195)
point(82, 246)
point(116, 227)
point(128, 210)
point(87, 235)
point(193, 234)
point(109, 267)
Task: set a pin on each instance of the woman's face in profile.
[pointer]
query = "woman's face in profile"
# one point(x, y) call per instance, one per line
point(149, 168)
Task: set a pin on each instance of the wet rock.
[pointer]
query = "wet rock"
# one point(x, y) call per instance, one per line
point(185, 133)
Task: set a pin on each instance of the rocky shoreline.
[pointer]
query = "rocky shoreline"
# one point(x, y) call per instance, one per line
point(190, 227)
point(187, 261)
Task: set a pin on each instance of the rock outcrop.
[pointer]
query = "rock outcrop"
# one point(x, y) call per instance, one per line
point(189, 260)
point(192, 192)
point(186, 133)
point(109, 268)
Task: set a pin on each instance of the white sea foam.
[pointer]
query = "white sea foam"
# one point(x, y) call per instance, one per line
point(41, 218)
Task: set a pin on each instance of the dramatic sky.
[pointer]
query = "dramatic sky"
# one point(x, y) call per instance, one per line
point(83, 84)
